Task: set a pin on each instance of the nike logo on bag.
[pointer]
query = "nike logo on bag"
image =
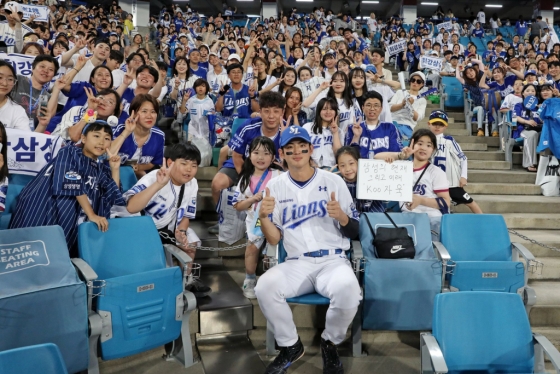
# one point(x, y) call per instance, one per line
point(397, 248)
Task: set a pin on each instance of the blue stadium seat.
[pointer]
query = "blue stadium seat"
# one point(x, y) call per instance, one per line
point(483, 332)
point(127, 177)
point(464, 41)
point(26, 360)
point(316, 299)
point(16, 183)
point(141, 300)
point(453, 92)
point(238, 123)
point(42, 299)
point(399, 294)
point(480, 46)
point(481, 252)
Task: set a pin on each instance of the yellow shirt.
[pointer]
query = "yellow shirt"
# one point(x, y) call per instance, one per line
point(128, 26)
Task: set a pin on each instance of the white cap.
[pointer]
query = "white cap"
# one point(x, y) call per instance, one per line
point(234, 56)
point(11, 4)
point(420, 74)
point(213, 54)
point(434, 53)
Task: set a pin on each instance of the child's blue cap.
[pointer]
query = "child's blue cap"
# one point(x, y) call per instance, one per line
point(439, 116)
point(292, 133)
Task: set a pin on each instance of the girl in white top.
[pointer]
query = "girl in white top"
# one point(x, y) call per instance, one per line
point(326, 136)
point(182, 80)
point(260, 66)
point(199, 107)
point(12, 115)
point(255, 175)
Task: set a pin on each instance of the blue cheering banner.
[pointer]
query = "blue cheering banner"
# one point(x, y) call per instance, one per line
point(29, 152)
point(530, 102)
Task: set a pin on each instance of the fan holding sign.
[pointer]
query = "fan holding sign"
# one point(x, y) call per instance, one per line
point(528, 127)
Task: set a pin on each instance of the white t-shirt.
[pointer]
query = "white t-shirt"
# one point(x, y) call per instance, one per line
point(387, 93)
point(481, 17)
point(346, 115)
point(510, 101)
point(323, 154)
point(372, 25)
point(84, 74)
point(433, 181)
point(402, 116)
point(13, 116)
point(215, 80)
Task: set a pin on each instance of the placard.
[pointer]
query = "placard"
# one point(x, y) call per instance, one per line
point(29, 152)
point(397, 47)
point(432, 63)
point(445, 25)
point(379, 180)
point(41, 13)
point(21, 63)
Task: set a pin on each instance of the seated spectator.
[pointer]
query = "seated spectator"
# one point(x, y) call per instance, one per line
point(148, 82)
point(293, 115)
point(407, 111)
point(237, 100)
point(513, 98)
point(528, 127)
point(198, 107)
point(12, 114)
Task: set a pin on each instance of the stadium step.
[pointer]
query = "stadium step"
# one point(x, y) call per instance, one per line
point(548, 237)
point(535, 221)
point(499, 204)
point(474, 147)
point(550, 270)
point(488, 165)
point(501, 176)
point(492, 142)
point(503, 189)
point(492, 156)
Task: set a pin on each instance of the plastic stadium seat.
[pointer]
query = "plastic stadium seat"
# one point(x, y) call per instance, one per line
point(16, 183)
point(483, 332)
point(42, 300)
point(480, 46)
point(141, 304)
point(238, 123)
point(399, 294)
point(481, 251)
point(28, 359)
point(453, 92)
point(127, 177)
point(464, 41)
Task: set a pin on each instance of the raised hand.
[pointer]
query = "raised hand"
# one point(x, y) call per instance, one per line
point(334, 126)
point(114, 160)
point(285, 124)
point(81, 61)
point(130, 124)
point(129, 76)
point(60, 84)
point(406, 152)
point(267, 205)
point(334, 209)
point(80, 44)
point(164, 173)
point(325, 85)
point(92, 101)
point(356, 128)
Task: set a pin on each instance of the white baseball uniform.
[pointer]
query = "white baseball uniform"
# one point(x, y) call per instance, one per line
point(301, 215)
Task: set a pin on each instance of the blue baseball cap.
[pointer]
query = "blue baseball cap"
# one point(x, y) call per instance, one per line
point(439, 116)
point(530, 72)
point(292, 133)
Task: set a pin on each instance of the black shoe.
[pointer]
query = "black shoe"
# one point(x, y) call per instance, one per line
point(286, 357)
point(198, 288)
point(331, 361)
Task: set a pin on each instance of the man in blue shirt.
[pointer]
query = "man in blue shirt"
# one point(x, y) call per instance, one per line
point(196, 69)
point(478, 32)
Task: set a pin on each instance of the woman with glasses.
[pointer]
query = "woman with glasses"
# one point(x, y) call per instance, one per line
point(12, 115)
point(406, 109)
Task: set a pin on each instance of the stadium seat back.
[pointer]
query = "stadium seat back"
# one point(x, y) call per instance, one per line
point(127, 177)
point(16, 183)
point(483, 332)
point(130, 246)
point(476, 237)
point(454, 92)
point(29, 359)
point(41, 297)
point(237, 124)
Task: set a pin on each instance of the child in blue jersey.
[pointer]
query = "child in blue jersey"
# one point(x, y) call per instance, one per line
point(529, 125)
point(257, 170)
point(3, 167)
point(138, 141)
point(347, 163)
point(372, 136)
point(75, 186)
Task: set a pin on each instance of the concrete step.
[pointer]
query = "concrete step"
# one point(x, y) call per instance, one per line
point(498, 204)
point(492, 156)
point(503, 189)
point(206, 173)
point(500, 176)
point(549, 272)
point(204, 202)
point(488, 165)
point(548, 237)
point(492, 142)
point(532, 221)
point(474, 147)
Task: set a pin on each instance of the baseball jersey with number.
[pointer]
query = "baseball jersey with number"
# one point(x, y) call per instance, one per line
point(162, 207)
point(433, 182)
point(450, 158)
point(8, 35)
point(382, 138)
point(300, 212)
point(150, 152)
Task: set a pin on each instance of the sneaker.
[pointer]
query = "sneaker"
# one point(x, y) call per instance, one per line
point(198, 288)
point(286, 357)
point(214, 229)
point(331, 361)
point(495, 134)
point(480, 132)
point(249, 288)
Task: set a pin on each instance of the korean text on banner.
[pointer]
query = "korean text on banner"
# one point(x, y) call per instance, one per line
point(432, 63)
point(378, 180)
point(41, 13)
point(21, 63)
point(29, 152)
point(397, 47)
point(444, 25)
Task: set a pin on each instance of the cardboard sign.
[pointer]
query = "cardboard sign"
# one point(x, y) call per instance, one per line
point(432, 63)
point(29, 152)
point(397, 47)
point(378, 180)
point(41, 13)
point(445, 25)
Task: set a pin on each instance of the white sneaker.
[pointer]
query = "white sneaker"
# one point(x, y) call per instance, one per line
point(249, 288)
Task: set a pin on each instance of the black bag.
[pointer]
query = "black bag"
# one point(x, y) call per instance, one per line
point(392, 242)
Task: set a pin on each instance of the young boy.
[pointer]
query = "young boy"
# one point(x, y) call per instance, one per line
point(168, 195)
point(451, 159)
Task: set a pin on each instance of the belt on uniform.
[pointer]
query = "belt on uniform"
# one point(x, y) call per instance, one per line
point(323, 252)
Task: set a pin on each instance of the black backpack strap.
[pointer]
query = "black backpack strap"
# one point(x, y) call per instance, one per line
point(390, 219)
point(179, 201)
point(369, 224)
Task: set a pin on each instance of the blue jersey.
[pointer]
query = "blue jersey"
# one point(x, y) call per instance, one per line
point(506, 88)
point(521, 28)
point(550, 136)
point(384, 138)
point(520, 111)
point(50, 198)
point(237, 105)
point(242, 139)
point(364, 206)
point(478, 33)
point(76, 97)
point(201, 72)
point(150, 153)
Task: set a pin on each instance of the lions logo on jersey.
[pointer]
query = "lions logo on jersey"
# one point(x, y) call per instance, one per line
point(298, 214)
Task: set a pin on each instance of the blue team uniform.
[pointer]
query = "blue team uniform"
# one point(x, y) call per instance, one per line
point(239, 101)
point(520, 111)
point(152, 150)
point(506, 88)
point(478, 33)
point(384, 138)
point(50, 198)
point(550, 135)
point(76, 97)
point(201, 72)
point(521, 28)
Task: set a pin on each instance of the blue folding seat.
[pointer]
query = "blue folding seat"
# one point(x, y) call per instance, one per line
point(452, 92)
point(464, 41)
point(27, 360)
point(140, 302)
point(42, 299)
point(483, 332)
point(483, 257)
point(399, 294)
point(127, 177)
point(16, 183)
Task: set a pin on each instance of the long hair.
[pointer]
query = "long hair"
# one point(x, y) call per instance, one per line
point(283, 84)
point(346, 96)
point(317, 127)
point(14, 75)
point(357, 71)
point(174, 70)
point(248, 168)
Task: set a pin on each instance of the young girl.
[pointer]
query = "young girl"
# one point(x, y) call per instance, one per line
point(326, 136)
point(3, 167)
point(199, 107)
point(293, 113)
point(73, 187)
point(469, 80)
point(528, 127)
point(261, 67)
point(431, 192)
point(255, 175)
point(12, 115)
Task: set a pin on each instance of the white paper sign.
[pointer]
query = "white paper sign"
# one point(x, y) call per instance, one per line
point(21, 63)
point(29, 152)
point(41, 13)
point(445, 25)
point(397, 47)
point(378, 180)
point(432, 63)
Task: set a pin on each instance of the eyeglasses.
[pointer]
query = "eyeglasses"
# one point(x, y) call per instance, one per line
point(372, 106)
point(10, 81)
point(419, 81)
point(138, 60)
point(110, 102)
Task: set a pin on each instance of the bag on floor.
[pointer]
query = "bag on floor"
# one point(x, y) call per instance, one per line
point(205, 151)
point(230, 221)
point(548, 176)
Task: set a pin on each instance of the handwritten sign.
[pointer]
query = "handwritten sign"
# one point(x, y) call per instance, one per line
point(432, 63)
point(378, 180)
point(445, 25)
point(29, 152)
point(41, 13)
point(397, 47)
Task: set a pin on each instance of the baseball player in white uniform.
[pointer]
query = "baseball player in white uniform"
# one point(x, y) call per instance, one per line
point(313, 212)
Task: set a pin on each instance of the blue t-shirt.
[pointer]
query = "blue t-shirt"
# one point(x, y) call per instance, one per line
point(520, 111)
point(495, 56)
point(384, 138)
point(506, 88)
point(151, 152)
point(521, 28)
point(76, 97)
point(239, 101)
point(201, 72)
point(479, 33)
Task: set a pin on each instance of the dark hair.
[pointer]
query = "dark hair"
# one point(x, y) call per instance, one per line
point(234, 66)
point(31, 44)
point(47, 58)
point(353, 72)
point(11, 67)
point(424, 132)
point(145, 50)
point(346, 93)
point(95, 71)
point(141, 99)
point(373, 95)
point(352, 151)
point(110, 91)
point(378, 51)
point(186, 151)
point(201, 82)
point(283, 84)
point(153, 72)
point(60, 43)
point(317, 127)
point(272, 99)
point(4, 152)
point(98, 126)
point(248, 168)
point(174, 69)
point(132, 55)
point(117, 56)
point(102, 41)
point(304, 68)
